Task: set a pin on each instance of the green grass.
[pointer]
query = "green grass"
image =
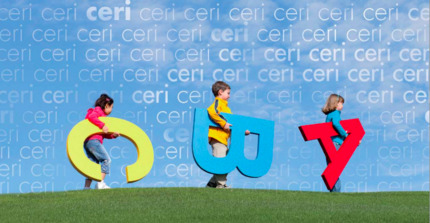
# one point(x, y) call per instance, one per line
point(213, 205)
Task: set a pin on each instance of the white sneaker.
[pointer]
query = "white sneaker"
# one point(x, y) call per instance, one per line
point(102, 185)
point(87, 188)
point(105, 186)
point(223, 187)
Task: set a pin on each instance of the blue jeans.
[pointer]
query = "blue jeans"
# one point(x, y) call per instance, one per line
point(97, 153)
point(337, 186)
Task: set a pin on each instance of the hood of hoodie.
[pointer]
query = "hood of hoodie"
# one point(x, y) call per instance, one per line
point(98, 110)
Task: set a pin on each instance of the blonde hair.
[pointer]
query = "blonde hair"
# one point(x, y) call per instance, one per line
point(331, 103)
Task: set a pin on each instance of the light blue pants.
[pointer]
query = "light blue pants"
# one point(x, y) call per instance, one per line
point(337, 186)
point(97, 153)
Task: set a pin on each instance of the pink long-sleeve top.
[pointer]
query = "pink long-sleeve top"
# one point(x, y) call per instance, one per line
point(93, 116)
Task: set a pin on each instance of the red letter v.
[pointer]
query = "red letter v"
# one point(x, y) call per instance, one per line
point(337, 159)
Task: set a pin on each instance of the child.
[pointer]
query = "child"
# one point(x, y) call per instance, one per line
point(332, 109)
point(218, 137)
point(93, 145)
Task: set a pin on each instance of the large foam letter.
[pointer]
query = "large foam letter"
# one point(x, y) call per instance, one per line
point(235, 157)
point(91, 170)
point(337, 159)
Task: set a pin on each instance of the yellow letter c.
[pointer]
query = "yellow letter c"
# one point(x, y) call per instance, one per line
point(91, 170)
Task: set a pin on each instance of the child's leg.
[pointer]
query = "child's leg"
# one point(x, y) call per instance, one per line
point(219, 150)
point(102, 156)
point(88, 182)
point(103, 176)
point(337, 185)
point(212, 180)
point(92, 158)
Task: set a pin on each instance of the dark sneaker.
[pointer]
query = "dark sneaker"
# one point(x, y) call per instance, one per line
point(223, 187)
point(211, 185)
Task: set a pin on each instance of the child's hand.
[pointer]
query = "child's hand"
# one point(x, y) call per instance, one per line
point(105, 129)
point(247, 132)
point(116, 134)
point(227, 126)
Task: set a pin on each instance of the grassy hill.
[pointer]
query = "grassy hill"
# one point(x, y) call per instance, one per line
point(213, 205)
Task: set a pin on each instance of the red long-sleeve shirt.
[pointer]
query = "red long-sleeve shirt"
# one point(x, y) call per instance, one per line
point(93, 116)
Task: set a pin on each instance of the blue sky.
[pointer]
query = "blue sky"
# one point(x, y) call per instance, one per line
point(379, 164)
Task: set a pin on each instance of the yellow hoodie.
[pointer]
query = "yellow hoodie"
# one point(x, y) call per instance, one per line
point(214, 111)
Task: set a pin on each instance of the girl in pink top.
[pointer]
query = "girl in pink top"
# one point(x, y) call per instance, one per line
point(93, 145)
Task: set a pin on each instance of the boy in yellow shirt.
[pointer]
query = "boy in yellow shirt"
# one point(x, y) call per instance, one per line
point(218, 138)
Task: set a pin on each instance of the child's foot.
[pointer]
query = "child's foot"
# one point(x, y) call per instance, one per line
point(223, 187)
point(211, 185)
point(102, 185)
point(87, 188)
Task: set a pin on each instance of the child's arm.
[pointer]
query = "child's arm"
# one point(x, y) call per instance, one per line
point(216, 117)
point(338, 127)
point(93, 118)
point(112, 136)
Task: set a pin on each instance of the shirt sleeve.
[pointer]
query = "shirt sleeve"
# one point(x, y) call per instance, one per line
point(107, 136)
point(215, 116)
point(93, 118)
point(337, 126)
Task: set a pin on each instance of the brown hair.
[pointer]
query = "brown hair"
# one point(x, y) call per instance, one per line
point(331, 103)
point(219, 85)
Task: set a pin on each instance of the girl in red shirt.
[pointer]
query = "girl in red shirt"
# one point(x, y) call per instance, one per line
point(93, 145)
